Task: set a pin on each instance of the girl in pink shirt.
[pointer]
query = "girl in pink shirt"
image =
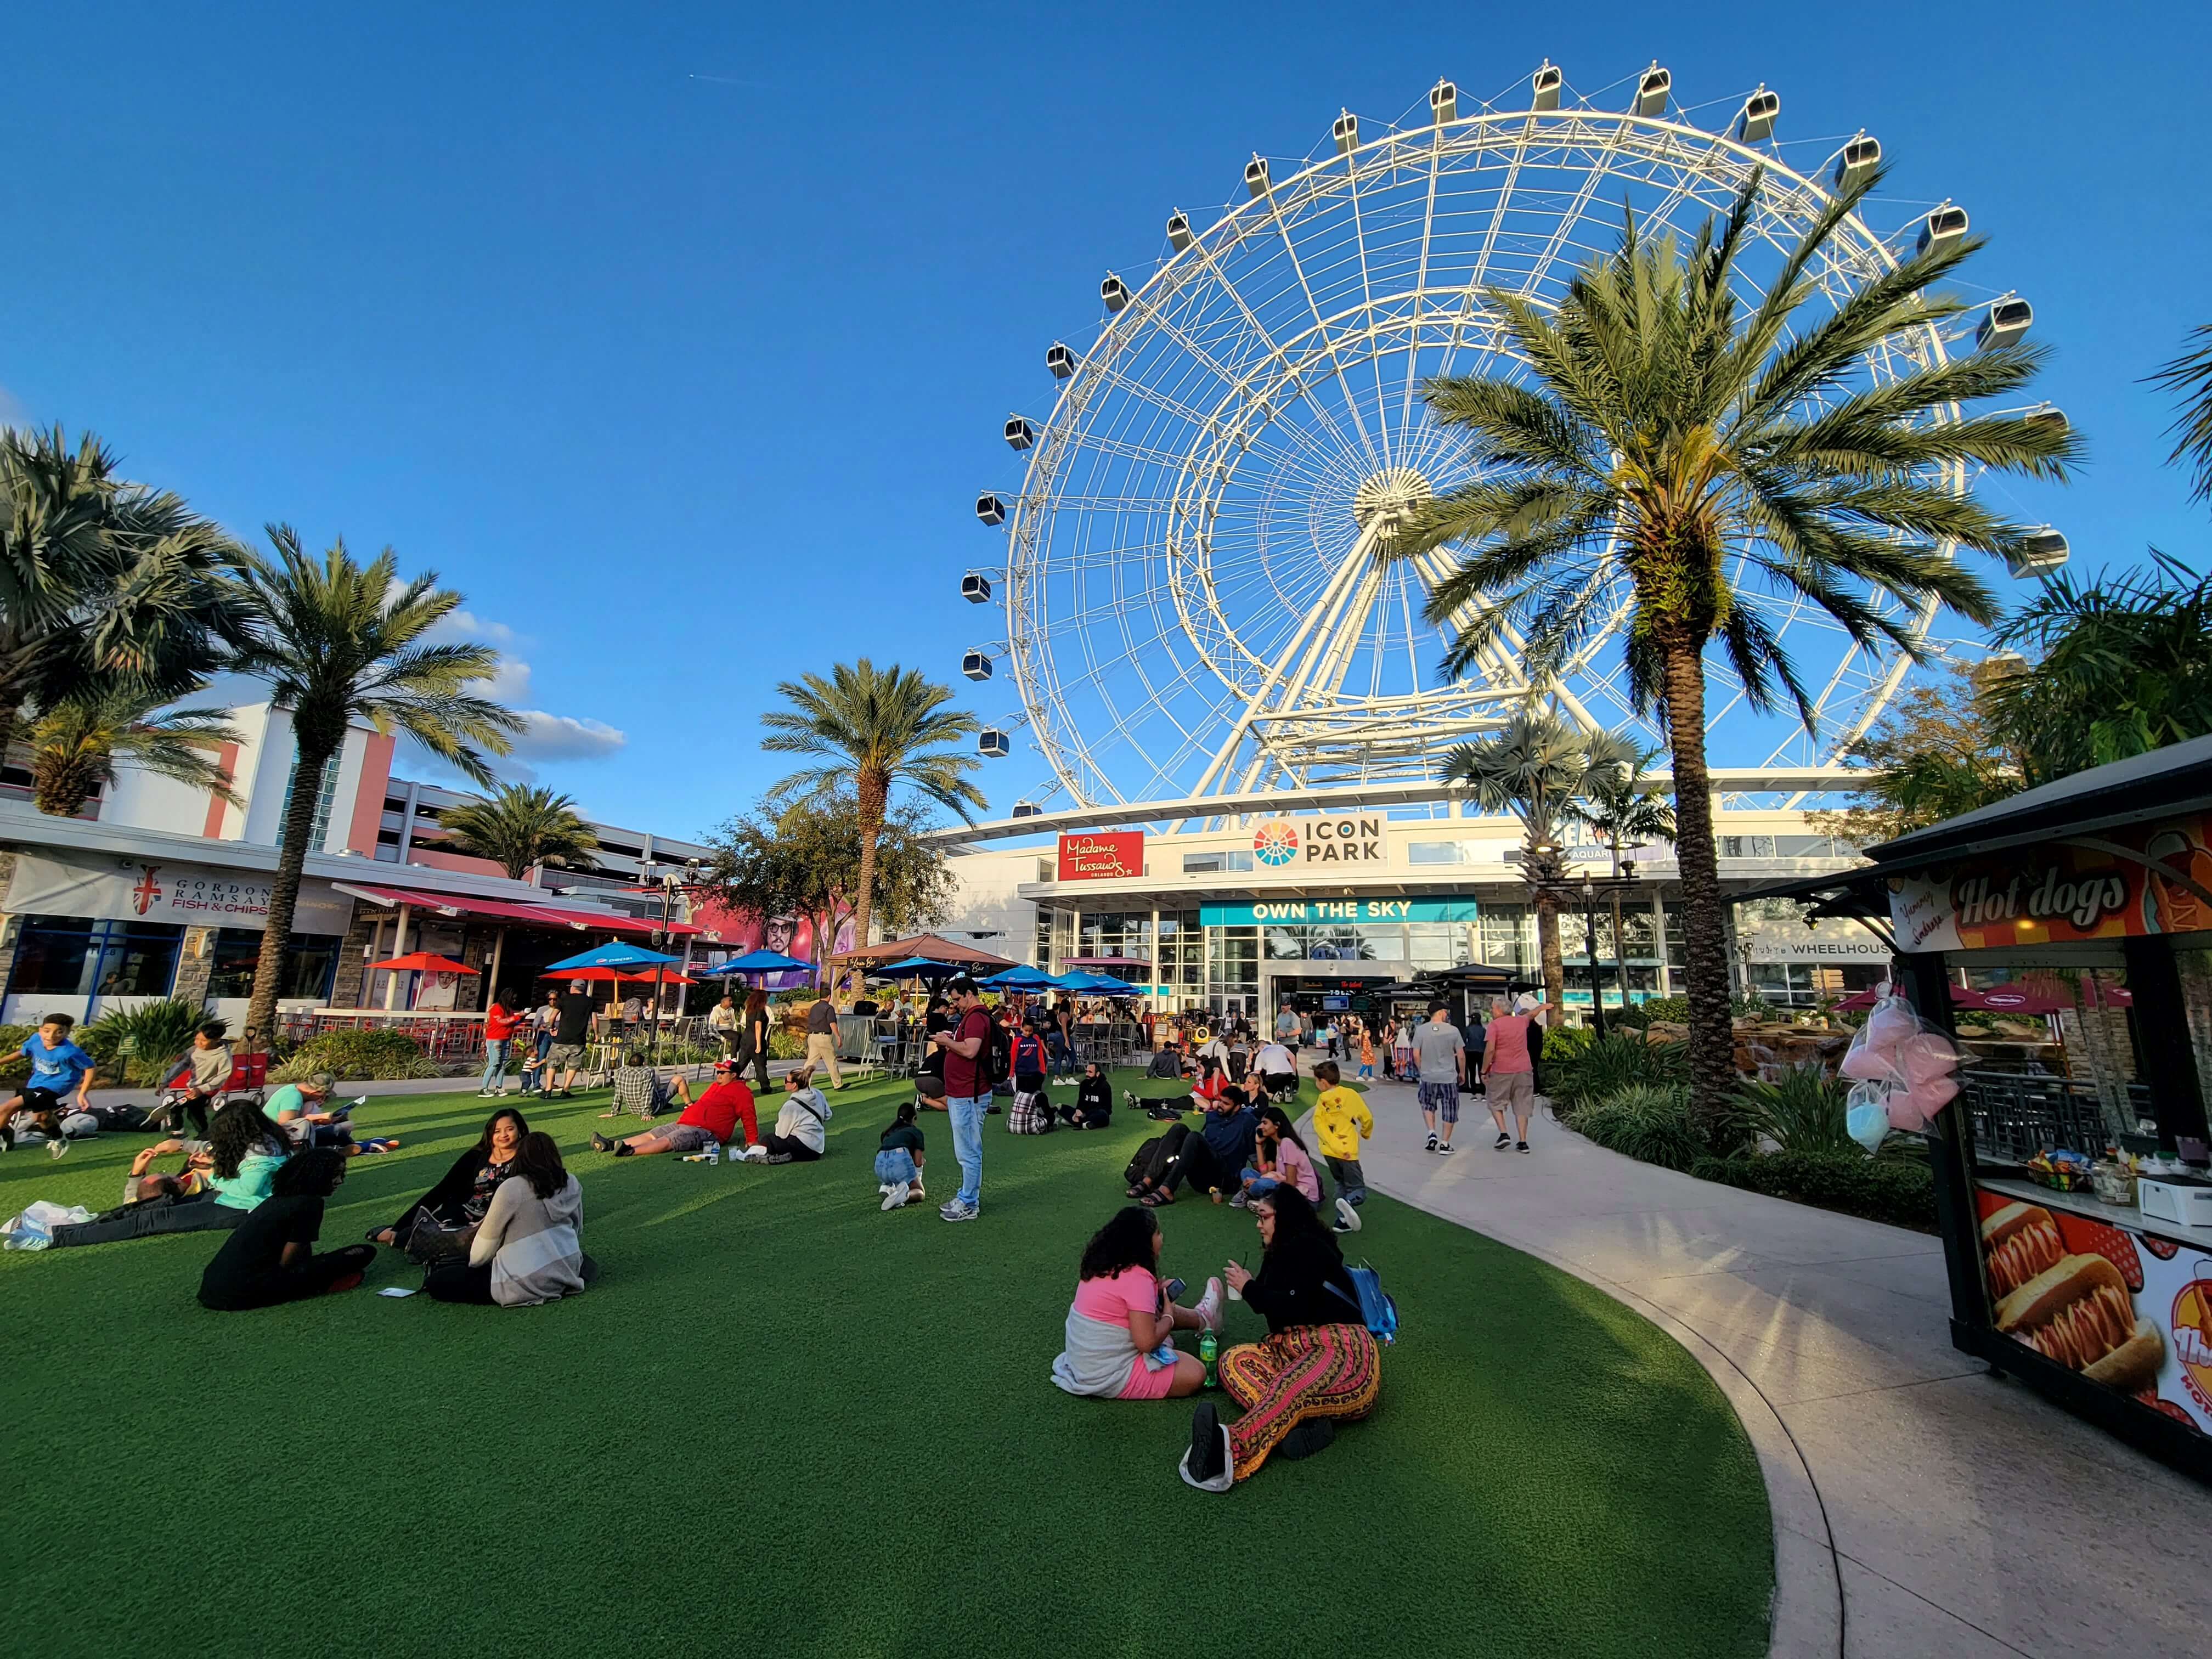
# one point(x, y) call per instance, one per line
point(1280, 1158)
point(1119, 1340)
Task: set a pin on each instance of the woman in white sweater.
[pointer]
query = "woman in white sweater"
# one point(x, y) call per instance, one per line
point(528, 1249)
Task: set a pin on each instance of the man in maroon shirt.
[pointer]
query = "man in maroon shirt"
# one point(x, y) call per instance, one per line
point(967, 1094)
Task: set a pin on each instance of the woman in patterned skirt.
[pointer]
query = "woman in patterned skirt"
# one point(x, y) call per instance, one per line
point(1318, 1365)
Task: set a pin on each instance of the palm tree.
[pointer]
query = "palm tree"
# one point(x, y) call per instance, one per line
point(873, 728)
point(102, 581)
point(2190, 375)
point(1626, 808)
point(338, 641)
point(519, 829)
point(1534, 766)
point(1663, 447)
point(76, 744)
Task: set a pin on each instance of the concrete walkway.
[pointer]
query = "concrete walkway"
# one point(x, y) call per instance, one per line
point(1920, 1507)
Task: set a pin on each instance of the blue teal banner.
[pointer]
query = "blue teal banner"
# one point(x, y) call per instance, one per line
point(1310, 912)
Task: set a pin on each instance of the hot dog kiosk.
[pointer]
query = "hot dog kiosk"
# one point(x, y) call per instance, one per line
point(2063, 938)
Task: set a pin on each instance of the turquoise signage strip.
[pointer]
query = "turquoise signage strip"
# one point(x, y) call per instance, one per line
point(1322, 913)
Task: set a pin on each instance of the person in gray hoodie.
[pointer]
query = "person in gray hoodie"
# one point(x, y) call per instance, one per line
point(529, 1248)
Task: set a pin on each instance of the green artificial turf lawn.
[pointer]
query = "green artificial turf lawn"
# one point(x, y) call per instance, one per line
point(785, 1422)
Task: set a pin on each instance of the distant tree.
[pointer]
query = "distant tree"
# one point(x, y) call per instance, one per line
point(519, 827)
point(872, 730)
point(1534, 766)
point(338, 640)
point(1933, 756)
point(804, 862)
point(76, 744)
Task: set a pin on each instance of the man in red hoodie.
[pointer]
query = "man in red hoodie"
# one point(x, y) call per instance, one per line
point(714, 1116)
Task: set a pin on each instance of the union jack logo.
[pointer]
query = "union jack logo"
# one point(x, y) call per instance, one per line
point(148, 890)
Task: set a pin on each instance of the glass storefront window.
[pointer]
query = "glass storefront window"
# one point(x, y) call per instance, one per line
point(311, 960)
point(1509, 935)
point(2053, 1052)
point(77, 956)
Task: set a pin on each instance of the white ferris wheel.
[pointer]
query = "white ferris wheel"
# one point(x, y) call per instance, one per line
point(1198, 594)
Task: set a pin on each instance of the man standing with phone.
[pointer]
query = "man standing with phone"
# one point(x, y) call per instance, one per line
point(967, 1049)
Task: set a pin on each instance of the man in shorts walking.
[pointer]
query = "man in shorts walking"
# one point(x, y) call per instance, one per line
point(1509, 1071)
point(822, 1040)
point(1440, 1063)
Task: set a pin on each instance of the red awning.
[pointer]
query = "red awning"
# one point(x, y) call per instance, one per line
point(528, 915)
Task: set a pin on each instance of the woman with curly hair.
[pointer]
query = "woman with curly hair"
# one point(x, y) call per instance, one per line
point(248, 1150)
point(1120, 1340)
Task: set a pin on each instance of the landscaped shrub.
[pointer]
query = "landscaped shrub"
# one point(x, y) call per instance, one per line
point(155, 1033)
point(351, 1055)
point(1804, 1111)
point(13, 1067)
point(1899, 1190)
point(1675, 1010)
point(1593, 1070)
point(1647, 1121)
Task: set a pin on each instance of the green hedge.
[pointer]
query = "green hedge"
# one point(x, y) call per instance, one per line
point(354, 1055)
point(14, 1068)
point(1647, 1121)
point(1900, 1191)
point(1582, 1074)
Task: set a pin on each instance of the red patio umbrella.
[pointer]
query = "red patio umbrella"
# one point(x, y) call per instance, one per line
point(422, 962)
point(608, 974)
point(1961, 997)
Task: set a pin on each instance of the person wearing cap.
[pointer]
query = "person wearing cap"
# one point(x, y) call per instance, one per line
point(302, 1111)
point(714, 1116)
point(1509, 1068)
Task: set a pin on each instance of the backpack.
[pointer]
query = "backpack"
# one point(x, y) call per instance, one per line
point(1140, 1165)
point(999, 1046)
point(1376, 1310)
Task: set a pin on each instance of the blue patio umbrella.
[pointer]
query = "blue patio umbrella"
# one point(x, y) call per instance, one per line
point(917, 967)
point(1097, 984)
point(1023, 978)
point(758, 962)
point(611, 956)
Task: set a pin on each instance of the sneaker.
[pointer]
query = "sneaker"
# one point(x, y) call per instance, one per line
point(1315, 1434)
point(1520, 1146)
point(1443, 1150)
point(1339, 1227)
point(1209, 1305)
point(1347, 1218)
point(1503, 1141)
point(1432, 1147)
point(600, 1143)
point(1240, 1202)
point(1206, 1465)
point(956, 1211)
point(57, 1146)
point(777, 1158)
point(1129, 1099)
point(895, 1195)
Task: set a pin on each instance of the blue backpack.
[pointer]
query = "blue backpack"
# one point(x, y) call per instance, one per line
point(1376, 1310)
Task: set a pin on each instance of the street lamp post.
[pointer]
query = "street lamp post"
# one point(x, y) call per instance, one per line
point(671, 880)
point(1590, 939)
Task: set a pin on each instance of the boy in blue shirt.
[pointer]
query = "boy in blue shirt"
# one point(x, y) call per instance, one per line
point(59, 1067)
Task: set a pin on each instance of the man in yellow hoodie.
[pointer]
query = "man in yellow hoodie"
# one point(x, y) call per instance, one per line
point(1341, 1120)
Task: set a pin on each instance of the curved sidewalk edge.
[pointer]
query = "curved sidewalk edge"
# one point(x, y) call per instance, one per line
point(1807, 1616)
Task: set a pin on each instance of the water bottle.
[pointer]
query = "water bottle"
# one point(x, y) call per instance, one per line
point(1208, 1348)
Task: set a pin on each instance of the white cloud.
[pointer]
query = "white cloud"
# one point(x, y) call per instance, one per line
point(12, 412)
point(563, 737)
point(465, 627)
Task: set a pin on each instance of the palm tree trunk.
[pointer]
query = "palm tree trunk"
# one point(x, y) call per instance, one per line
point(284, 895)
point(1712, 1036)
point(874, 793)
point(1548, 948)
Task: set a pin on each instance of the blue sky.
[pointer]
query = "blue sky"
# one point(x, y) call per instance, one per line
point(679, 339)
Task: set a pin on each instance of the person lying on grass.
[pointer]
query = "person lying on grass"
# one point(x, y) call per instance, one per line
point(438, 1223)
point(1094, 1101)
point(1278, 1158)
point(1318, 1366)
point(1167, 1088)
point(146, 1181)
point(530, 1247)
point(1120, 1341)
point(899, 1159)
point(270, 1257)
point(714, 1116)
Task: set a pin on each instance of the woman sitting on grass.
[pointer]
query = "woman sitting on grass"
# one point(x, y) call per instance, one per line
point(899, 1160)
point(1278, 1158)
point(1120, 1341)
point(529, 1248)
point(1318, 1365)
point(431, 1224)
point(247, 1150)
point(271, 1256)
point(802, 1128)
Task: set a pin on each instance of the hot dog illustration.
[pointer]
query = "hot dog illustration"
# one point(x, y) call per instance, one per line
point(2078, 1312)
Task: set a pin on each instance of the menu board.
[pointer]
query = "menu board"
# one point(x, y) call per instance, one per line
point(2126, 1309)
